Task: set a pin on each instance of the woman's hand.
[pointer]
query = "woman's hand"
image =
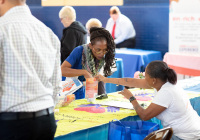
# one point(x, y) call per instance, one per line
point(87, 74)
point(100, 77)
point(126, 93)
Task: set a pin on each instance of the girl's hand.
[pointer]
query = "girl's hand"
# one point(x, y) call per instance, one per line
point(126, 93)
point(87, 74)
point(101, 78)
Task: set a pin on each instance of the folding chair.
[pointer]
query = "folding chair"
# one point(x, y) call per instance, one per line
point(162, 134)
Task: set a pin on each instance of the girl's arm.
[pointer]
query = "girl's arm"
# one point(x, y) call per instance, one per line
point(67, 71)
point(130, 82)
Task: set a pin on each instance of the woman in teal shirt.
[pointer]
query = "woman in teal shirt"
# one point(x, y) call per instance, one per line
point(86, 60)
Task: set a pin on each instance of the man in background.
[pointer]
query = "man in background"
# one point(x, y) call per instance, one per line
point(74, 33)
point(30, 74)
point(121, 29)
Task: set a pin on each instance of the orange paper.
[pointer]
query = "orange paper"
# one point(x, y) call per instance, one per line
point(91, 89)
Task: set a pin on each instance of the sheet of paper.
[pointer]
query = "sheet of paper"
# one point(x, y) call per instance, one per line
point(70, 85)
point(120, 104)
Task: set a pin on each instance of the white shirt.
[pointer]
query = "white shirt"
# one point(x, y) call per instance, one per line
point(124, 28)
point(179, 114)
point(30, 74)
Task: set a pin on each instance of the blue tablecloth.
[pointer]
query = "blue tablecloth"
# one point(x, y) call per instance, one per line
point(98, 132)
point(136, 59)
point(117, 74)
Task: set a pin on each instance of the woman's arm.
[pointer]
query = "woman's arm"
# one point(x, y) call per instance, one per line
point(145, 114)
point(67, 71)
point(130, 82)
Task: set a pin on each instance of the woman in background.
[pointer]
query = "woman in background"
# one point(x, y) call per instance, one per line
point(74, 33)
point(93, 22)
point(170, 104)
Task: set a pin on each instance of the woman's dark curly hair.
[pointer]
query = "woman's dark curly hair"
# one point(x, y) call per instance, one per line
point(99, 34)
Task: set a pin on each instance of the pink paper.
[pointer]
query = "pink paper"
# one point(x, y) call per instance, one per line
point(143, 98)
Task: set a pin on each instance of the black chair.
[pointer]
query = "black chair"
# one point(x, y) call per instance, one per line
point(162, 134)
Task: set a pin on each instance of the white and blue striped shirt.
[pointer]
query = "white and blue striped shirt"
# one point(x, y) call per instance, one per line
point(30, 73)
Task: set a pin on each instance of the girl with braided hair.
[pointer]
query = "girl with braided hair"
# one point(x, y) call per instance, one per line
point(86, 60)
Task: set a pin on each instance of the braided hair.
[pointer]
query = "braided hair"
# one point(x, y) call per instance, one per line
point(99, 34)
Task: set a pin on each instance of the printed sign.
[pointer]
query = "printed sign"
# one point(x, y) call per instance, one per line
point(184, 26)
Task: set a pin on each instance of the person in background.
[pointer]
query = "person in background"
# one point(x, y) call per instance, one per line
point(30, 74)
point(170, 104)
point(93, 22)
point(74, 33)
point(86, 60)
point(121, 29)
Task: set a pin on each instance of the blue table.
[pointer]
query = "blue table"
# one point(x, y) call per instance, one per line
point(99, 132)
point(136, 59)
point(117, 74)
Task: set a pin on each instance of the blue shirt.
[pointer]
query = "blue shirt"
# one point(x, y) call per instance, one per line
point(75, 59)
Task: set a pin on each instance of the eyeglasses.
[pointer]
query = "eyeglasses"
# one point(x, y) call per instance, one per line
point(98, 51)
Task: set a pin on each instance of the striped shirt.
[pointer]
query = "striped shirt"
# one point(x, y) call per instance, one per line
point(30, 74)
